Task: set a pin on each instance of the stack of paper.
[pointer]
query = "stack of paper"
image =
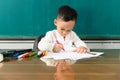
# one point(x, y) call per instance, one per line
point(1, 57)
point(72, 55)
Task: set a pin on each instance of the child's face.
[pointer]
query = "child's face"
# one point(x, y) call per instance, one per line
point(64, 28)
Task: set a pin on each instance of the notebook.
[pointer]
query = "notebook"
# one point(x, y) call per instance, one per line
point(72, 55)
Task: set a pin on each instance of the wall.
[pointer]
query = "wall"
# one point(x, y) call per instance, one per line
point(26, 19)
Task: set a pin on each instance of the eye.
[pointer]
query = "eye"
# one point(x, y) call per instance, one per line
point(62, 29)
point(68, 30)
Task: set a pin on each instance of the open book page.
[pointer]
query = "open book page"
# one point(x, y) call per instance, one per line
point(71, 55)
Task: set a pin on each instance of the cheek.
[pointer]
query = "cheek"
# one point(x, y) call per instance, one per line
point(67, 32)
point(60, 31)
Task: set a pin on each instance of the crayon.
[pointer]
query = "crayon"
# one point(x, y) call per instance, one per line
point(20, 52)
point(39, 54)
point(32, 54)
point(46, 53)
point(24, 55)
point(17, 54)
point(60, 43)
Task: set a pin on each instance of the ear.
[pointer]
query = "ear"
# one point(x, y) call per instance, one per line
point(55, 22)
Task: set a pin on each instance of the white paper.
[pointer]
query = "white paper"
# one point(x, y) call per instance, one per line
point(72, 55)
point(1, 57)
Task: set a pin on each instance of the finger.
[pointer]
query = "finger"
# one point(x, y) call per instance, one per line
point(84, 50)
point(77, 50)
point(60, 46)
point(81, 50)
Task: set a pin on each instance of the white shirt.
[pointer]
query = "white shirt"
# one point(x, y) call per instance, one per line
point(70, 42)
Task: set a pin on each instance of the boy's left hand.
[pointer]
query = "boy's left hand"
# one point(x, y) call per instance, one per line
point(80, 49)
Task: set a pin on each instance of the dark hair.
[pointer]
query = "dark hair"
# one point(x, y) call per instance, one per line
point(67, 13)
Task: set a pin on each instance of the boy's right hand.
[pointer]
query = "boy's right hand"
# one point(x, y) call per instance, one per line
point(57, 47)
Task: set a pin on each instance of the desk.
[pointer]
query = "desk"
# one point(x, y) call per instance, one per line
point(105, 67)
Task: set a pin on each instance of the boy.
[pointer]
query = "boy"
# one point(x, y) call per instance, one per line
point(63, 38)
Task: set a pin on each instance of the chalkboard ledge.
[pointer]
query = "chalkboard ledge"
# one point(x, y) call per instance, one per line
point(17, 38)
point(100, 37)
point(81, 37)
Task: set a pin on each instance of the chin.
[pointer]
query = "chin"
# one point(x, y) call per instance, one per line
point(63, 36)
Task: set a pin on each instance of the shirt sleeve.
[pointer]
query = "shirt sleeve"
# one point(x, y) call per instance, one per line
point(46, 42)
point(78, 42)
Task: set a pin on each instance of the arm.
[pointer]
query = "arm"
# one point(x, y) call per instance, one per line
point(49, 43)
point(46, 42)
point(81, 47)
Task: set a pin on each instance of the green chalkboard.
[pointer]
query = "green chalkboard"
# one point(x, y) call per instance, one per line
point(30, 18)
